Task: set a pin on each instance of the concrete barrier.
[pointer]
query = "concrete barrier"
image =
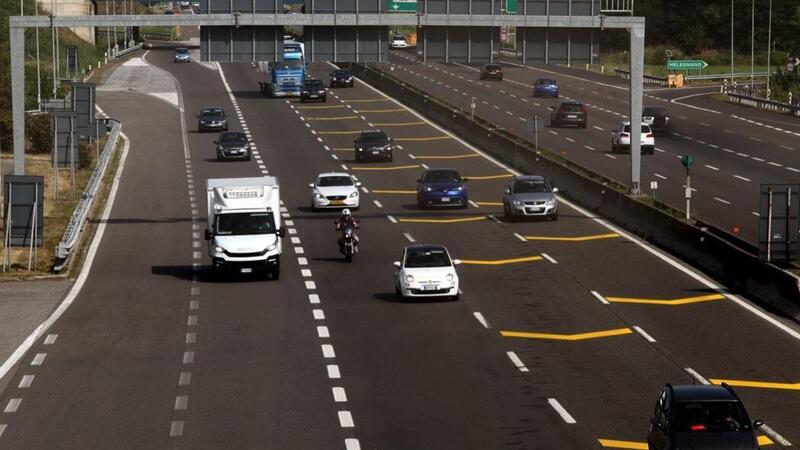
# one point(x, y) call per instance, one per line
point(723, 257)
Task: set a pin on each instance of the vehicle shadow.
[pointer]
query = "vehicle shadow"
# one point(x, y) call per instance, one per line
point(136, 220)
point(391, 297)
point(205, 275)
point(334, 259)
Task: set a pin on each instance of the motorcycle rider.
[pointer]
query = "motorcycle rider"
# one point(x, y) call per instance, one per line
point(344, 221)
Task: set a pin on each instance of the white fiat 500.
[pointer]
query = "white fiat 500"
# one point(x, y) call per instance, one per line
point(334, 190)
point(426, 271)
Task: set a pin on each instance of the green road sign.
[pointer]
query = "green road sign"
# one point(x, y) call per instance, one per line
point(511, 6)
point(683, 64)
point(687, 161)
point(403, 5)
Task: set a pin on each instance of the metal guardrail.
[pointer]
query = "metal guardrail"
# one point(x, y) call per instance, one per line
point(662, 81)
point(128, 50)
point(616, 7)
point(71, 233)
point(762, 103)
point(648, 79)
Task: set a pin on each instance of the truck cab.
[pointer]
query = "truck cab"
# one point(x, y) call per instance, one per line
point(244, 225)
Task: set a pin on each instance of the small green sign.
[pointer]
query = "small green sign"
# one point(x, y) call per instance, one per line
point(684, 64)
point(687, 161)
point(511, 6)
point(403, 5)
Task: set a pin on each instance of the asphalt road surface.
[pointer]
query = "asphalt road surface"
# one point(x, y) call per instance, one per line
point(564, 334)
point(735, 148)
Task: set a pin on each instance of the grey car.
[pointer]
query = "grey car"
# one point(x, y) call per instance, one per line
point(233, 145)
point(182, 55)
point(530, 196)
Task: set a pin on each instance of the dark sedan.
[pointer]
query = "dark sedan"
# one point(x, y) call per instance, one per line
point(313, 90)
point(657, 117)
point(341, 77)
point(373, 145)
point(492, 72)
point(232, 145)
point(213, 119)
point(568, 113)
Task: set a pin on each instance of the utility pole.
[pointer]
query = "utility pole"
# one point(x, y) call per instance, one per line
point(54, 49)
point(38, 64)
point(732, 54)
point(108, 35)
point(769, 45)
point(752, 41)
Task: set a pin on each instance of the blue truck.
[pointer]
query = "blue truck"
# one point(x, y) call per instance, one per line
point(283, 78)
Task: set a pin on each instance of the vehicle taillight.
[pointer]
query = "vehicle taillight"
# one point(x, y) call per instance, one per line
point(649, 135)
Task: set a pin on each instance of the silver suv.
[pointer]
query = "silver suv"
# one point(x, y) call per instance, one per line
point(530, 196)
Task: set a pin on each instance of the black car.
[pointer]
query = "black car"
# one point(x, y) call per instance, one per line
point(492, 72)
point(313, 90)
point(341, 77)
point(657, 117)
point(568, 113)
point(701, 417)
point(213, 119)
point(233, 145)
point(373, 144)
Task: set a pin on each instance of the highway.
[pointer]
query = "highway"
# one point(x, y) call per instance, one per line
point(564, 334)
point(735, 148)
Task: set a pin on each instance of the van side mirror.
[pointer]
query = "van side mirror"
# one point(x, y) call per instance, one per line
point(358, 184)
point(758, 423)
point(208, 235)
point(555, 190)
point(281, 232)
point(397, 264)
point(508, 191)
point(457, 262)
point(311, 185)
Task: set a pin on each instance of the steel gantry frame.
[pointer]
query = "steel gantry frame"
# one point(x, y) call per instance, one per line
point(635, 26)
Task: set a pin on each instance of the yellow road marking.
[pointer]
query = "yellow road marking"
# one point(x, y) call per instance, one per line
point(763, 440)
point(497, 262)
point(402, 124)
point(757, 384)
point(490, 177)
point(381, 110)
point(434, 138)
point(674, 302)
point(367, 100)
point(470, 155)
point(342, 149)
point(458, 220)
point(413, 166)
point(321, 107)
point(392, 191)
point(339, 132)
point(567, 337)
point(623, 444)
point(489, 203)
point(572, 239)
point(332, 118)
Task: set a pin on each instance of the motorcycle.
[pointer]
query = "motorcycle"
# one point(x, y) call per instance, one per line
point(347, 243)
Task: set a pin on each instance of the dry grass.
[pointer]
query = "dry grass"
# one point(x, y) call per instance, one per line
point(58, 208)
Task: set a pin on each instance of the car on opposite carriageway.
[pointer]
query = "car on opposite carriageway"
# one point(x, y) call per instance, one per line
point(568, 113)
point(621, 139)
point(492, 72)
point(657, 117)
point(373, 145)
point(545, 87)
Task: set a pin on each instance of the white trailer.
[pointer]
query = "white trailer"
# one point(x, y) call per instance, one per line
point(244, 225)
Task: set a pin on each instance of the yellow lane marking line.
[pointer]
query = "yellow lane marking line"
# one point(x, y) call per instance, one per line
point(592, 237)
point(567, 337)
point(342, 149)
point(339, 132)
point(498, 262)
point(490, 177)
point(332, 118)
point(401, 124)
point(470, 155)
point(381, 110)
point(673, 302)
point(321, 107)
point(371, 100)
point(392, 191)
point(613, 443)
point(489, 203)
point(413, 166)
point(757, 384)
point(457, 220)
point(421, 139)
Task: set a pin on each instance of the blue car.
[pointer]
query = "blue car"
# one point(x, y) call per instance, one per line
point(545, 87)
point(441, 187)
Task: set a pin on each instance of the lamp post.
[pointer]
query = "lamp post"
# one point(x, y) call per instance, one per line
point(769, 45)
point(752, 41)
point(732, 54)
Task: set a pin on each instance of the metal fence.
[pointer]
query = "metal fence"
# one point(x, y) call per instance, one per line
point(699, 78)
point(648, 79)
point(76, 222)
point(128, 50)
point(616, 7)
point(762, 103)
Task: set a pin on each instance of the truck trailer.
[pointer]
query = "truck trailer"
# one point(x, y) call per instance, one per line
point(244, 229)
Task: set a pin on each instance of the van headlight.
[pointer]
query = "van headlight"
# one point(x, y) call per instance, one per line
point(219, 249)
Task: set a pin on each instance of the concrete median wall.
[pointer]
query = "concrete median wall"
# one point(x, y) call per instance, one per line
point(727, 263)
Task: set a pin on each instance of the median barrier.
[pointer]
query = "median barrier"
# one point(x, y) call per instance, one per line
point(722, 256)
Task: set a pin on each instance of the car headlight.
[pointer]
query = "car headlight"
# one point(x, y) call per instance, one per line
point(202, 122)
point(409, 278)
point(349, 78)
point(272, 247)
point(550, 202)
point(219, 249)
point(517, 203)
point(354, 194)
point(460, 188)
point(318, 195)
point(360, 149)
point(219, 148)
point(450, 277)
point(428, 189)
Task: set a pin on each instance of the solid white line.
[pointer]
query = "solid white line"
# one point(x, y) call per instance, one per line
point(333, 371)
point(520, 237)
point(392, 219)
point(549, 258)
point(517, 362)
point(339, 394)
point(327, 351)
point(600, 297)
point(643, 333)
point(346, 419)
point(481, 319)
point(696, 375)
point(409, 237)
point(561, 411)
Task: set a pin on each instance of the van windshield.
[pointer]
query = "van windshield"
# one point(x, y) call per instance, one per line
point(245, 223)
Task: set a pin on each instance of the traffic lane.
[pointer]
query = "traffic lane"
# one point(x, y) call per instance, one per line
point(444, 369)
point(683, 375)
point(111, 366)
point(257, 325)
point(711, 184)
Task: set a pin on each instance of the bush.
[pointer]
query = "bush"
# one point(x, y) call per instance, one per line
point(38, 133)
